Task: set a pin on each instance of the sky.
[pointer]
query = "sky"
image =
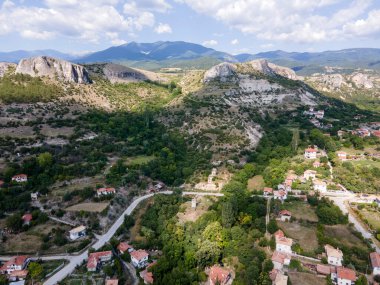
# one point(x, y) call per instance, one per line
point(240, 26)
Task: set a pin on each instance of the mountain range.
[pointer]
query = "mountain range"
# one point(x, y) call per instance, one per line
point(186, 55)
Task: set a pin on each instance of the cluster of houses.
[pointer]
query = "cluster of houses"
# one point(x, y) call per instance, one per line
point(16, 269)
point(20, 178)
point(371, 129)
point(281, 258)
point(315, 117)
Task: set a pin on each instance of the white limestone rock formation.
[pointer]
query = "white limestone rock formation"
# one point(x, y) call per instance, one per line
point(4, 66)
point(53, 68)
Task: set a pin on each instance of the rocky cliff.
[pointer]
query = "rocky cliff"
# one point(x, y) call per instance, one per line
point(4, 66)
point(53, 68)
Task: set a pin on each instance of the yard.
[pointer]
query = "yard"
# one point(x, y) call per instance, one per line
point(344, 235)
point(302, 278)
point(88, 207)
point(256, 183)
point(301, 210)
point(372, 216)
point(306, 236)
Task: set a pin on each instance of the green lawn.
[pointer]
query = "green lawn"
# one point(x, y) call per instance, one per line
point(139, 160)
point(301, 210)
point(366, 162)
point(372, 216)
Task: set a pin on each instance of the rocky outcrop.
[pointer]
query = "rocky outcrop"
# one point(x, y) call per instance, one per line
point(53, 68)
point(272, 69)
point(362, 81)
point(4, 66)
point(221, 71)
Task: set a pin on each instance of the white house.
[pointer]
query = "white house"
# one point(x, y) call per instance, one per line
point(343, 276)
point(139, 258)
point(342, 155)
point(285, 215)
point(310, 153)
point(20, 178)
point(280, 195)
point(281, 279)
point(15, 263)
point(77, 232)
point(284, 244)
point(125, 247)
point(280, 259)
point(375, 262)
point(334, 255)
point(105, 191)
point(267, 191)
point(309, 174)
point(96, 259)
point(320, 186)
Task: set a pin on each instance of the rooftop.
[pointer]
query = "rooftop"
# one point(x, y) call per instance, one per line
point(112, 282)
point(346, 273)
point(375, 259)
point(77, 229)
point(219, 274)
point(139, 254)
point(331, 251)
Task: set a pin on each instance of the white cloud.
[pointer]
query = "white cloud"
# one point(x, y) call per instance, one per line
point(235, 42)
point(163, 29)
point(89, 20)
point(267, 46)
point(210, 43)
point(294, 20)
point(133, 7)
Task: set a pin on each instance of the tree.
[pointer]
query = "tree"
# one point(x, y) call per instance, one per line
point(272, 226)
point(45, 159)
point(228, 218)
point(3, 280)
point(36, 271)
point(14, 222)
point(362, 280)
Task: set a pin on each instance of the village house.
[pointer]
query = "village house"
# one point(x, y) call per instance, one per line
point(112, 282)
point(320, 186)
point(268, 191)
point(18, 275)
point(139, 258)
point(105, 191)
point(284, 244)
point(376, 134)
point(124, 247)
point(219, 275)
point(194, 203)
point(285, 215)
point(15, 263)
point(362, 132)
point(77, 232)
point(309, 174)
point(280, 259)
point(146, 275)
point(319, 114)
point(281, 279)
point(34, 196)
point(311, 153)
point(375, 262)
point(19, 178)
point(26, 219)
point(341, 133)
point(343, 276)
point(97, 259)
point(334, 256)
point(342, 155)
point(288, 185)
point(280, 195)
point(316, 164)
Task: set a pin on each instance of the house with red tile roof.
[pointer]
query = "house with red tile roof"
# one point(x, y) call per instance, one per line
point(280, 259)
point(18, 275)
point(27, 218)
point(139, 258)
point(112, 282)
point(375, 262)
point(342, 155)
point(20, 178)
point(311, 153)
point(15, 263)
point(284, 244)
point(280, 195)
point(146, 275)
point(316, 164)
point(105, 191)
point(334, 255)
point(309, 174)
point(219, 275)
point(268, 191)
point(96, 259)
point(343, 276)
point(279, 234)
point(285, 215)
point(124, 247)
point(376, 134)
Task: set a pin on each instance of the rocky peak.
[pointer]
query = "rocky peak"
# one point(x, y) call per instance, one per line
point(271, 69)
point(362, 81)
point(221, 71)
point(4, 66)
point(53, 68)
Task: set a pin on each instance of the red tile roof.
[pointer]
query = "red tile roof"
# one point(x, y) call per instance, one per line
point(375, 259)
point(107, 190)
point(16, 260)
point(279, 257)
point(323, 269)
point(19, 273)
point(285, 213)
point(94, 257)
point(27, 217)
point(139, 254)
point(123, 247)
point(112, 282)
point(346, 273)
point(279, 234)
point(310, 150)
point(219, 274)
point(268, 190)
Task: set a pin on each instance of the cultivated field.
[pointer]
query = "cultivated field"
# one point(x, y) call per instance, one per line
point(256, 183)
point(305, 236)
point(88, 207)
point(301, 210)
point(302, 278)
point(343, 234)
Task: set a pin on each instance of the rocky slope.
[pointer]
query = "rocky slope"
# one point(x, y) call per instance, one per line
point(53, 68)
point(4, 66)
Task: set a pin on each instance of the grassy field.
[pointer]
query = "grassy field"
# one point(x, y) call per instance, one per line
point(372, 216)
point(301, 210)
point(305, 236)
point(302, 278)
point(366, 162)
point(88, 207)
point(137, 214)
point(256, 183)
point(343, 234)
point(139, 160)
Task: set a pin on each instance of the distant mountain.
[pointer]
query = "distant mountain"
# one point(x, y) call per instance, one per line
point(309, 62)
point(158, 51)
point(16, 56)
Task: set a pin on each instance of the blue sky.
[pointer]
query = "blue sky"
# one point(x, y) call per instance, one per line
point(233, 26)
